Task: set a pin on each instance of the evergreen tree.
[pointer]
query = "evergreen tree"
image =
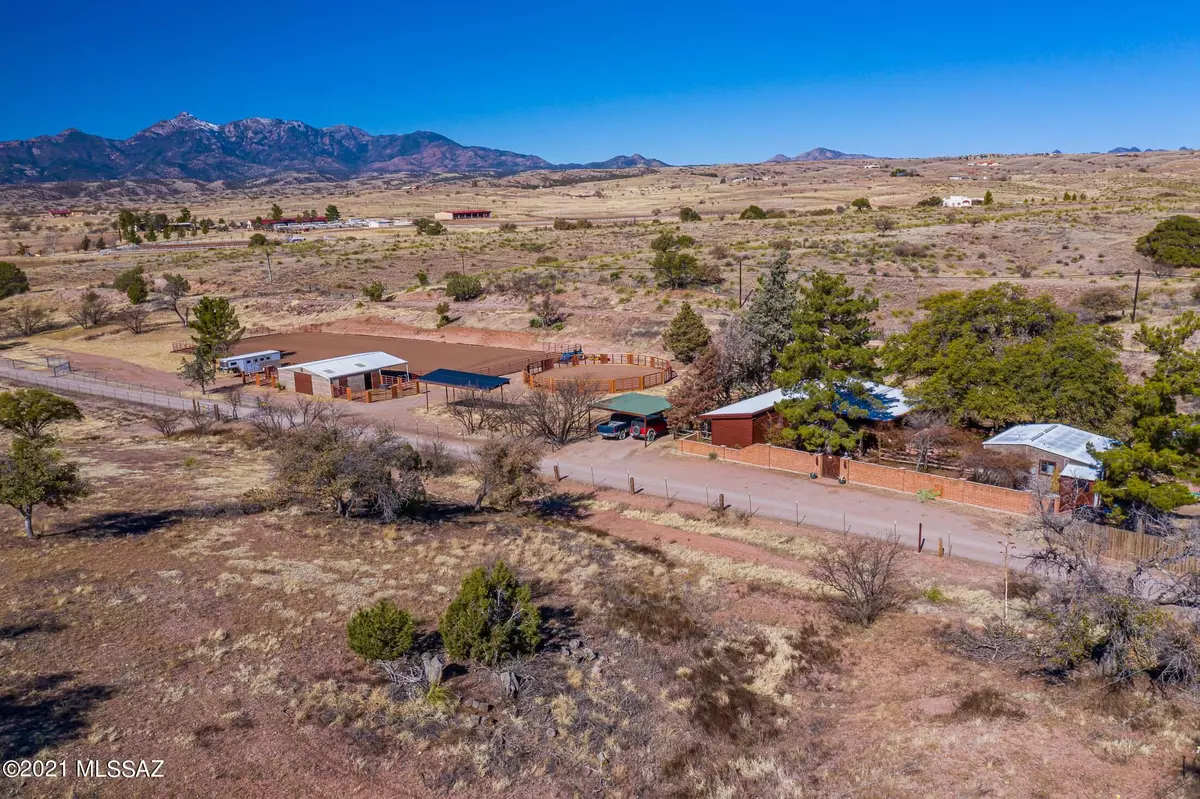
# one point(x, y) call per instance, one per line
point(686, 337)
point(1164, 441)
point(216, 326)
point(492, 618)
point(12, 280)
point(987, 197)
point(276, 212)
point(822, 370)
point(768, 319)
point(332, 213)
point(996, 357)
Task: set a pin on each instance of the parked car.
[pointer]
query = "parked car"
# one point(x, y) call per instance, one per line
point(617, 426)
point(650, 429)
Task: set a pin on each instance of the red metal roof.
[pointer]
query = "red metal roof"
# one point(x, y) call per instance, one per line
point(473, 211)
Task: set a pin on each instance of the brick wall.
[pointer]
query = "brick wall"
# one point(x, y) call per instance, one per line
point(905, 480)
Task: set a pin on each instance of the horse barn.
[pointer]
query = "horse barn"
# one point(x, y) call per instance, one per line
point(250, 362)
point(344, 376)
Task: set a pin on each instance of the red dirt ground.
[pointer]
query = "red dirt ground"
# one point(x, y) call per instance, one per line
point(422, 356)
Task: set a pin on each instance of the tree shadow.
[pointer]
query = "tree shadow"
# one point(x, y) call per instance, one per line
point(39, 623)
point(567, 506)
point(45, 711)
point(123, 523)
point(559, 625)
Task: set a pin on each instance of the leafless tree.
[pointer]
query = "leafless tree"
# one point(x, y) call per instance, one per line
point(1004, 469)
point(864, 576)
point(27, 318)
point(924, 432)
point(167, 421)
point(272, 418)
point(134, 317)
point(559, 415)
point(90, 310)
point(549, 311)
point(202, 419)
point(473, 410)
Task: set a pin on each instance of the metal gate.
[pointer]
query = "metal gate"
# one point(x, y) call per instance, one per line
point(831, 466)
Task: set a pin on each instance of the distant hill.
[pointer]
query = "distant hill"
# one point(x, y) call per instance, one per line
point(1119, 150)
point(816, 154)
point(190, 148)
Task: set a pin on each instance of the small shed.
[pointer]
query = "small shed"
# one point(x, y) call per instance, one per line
point(331, 377)
point(1058, 449)
point(250, 362)
point(745, 423)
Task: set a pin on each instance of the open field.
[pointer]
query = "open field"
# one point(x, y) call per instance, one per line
point(422, 356)
point(196, 627)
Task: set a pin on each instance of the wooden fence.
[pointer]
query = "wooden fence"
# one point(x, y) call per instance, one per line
point(659, 371)
point(255, 332)
point(1132, 546)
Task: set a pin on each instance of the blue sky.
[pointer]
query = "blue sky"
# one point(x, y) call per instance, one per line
point(688, 83)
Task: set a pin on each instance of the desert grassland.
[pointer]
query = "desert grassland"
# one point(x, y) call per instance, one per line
point(176, 615)
point(602, 275)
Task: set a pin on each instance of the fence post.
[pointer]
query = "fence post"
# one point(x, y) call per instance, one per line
point(631, 488)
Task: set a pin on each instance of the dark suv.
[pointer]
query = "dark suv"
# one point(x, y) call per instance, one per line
point(652, 428)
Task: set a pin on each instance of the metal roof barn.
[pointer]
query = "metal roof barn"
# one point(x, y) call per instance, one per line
point(345, 366)
point(889, 403)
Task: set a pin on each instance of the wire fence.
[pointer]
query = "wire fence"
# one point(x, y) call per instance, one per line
point(56, 375)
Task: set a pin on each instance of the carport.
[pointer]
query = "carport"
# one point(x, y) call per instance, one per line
point(454, 380)
point(632, 404)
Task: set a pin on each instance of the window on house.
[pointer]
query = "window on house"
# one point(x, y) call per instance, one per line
point(1046, 468)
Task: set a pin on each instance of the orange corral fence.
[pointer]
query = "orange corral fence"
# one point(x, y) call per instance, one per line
point(658, 372)
point(254, 332)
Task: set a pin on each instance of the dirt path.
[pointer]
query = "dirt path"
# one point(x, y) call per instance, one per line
point(650, 534)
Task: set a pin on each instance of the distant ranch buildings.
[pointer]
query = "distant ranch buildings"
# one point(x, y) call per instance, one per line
point(451, 216)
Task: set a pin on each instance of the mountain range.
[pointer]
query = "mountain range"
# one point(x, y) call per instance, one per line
point(816, 154)
point(248, 149)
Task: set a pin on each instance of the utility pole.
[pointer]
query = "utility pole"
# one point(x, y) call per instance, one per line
point(739, 282)
point(1137, 284)
point(268, 252)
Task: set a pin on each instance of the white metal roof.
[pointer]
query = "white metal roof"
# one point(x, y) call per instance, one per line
point(245, 355)
point(349, 364)
point(1057, 439)
point(1078, 471)
point(891, 403)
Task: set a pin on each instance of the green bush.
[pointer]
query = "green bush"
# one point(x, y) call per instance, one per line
point(374, 291)
point(382, 632)
point(258, 240)
point(753, 212)
point(687, 214)
point(1173, 242)
point(492, 618)
point(463, 287)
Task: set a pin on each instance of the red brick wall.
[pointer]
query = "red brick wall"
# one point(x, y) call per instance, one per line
point(910, 482)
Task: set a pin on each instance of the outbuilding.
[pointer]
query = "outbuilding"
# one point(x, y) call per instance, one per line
point(332, 377)
point(746, 422)
point(249, 363)
point(1058, 450)
point(449, 216)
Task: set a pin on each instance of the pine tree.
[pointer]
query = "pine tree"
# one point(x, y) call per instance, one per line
point(987, 197)
point(823, 369)
point(687, 336)
point(769, 321)
point(217, 327)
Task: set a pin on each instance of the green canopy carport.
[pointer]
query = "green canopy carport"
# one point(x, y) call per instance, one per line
point(632, 404)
